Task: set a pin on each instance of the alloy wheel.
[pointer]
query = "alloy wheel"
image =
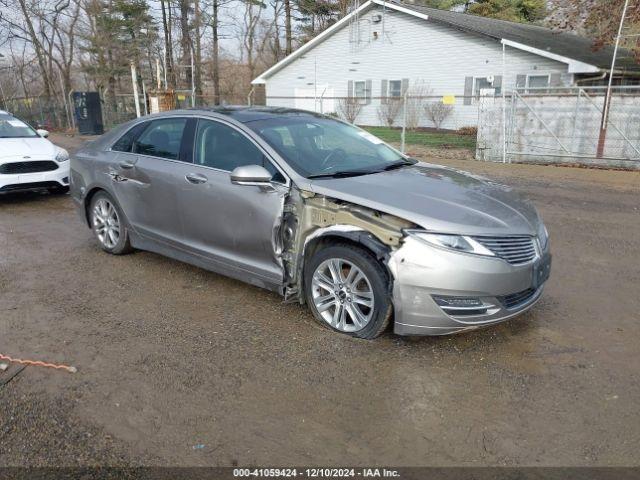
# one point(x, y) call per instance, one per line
point(106, 223)
point(342, 295)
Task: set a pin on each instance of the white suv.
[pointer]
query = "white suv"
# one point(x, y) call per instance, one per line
point(28, 161)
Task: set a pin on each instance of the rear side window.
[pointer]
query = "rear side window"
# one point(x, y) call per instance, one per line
point(125, 144)
point(162, 138)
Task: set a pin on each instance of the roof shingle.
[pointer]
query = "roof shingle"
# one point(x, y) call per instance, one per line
point(560, 43)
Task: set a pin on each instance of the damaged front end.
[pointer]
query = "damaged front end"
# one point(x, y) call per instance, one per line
point(309, 220)
point(434, 291)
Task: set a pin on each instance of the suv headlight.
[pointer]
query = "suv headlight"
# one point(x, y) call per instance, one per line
point(460, 243)
point(62, 155)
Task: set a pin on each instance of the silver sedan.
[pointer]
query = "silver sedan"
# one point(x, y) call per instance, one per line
point(320, 211)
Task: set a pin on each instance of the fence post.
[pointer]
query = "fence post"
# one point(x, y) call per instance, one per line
point(404, 122)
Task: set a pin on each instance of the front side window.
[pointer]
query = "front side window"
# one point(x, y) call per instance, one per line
point(395, 88)
point(317, 146)
point(11, 127)
point(162, 138)
point(125, 143)
point(222, 147)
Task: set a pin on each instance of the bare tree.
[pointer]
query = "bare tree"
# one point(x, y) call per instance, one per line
point(416, 96)
point(437, 112)
point(349, 108)
point(389, 110)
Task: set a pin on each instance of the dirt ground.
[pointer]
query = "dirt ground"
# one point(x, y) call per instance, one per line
point(179, 366)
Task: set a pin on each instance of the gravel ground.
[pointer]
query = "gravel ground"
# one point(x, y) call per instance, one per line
point(179, 366)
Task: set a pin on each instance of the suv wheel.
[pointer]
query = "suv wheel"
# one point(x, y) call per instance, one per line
point(109, 225)
point(347, 291)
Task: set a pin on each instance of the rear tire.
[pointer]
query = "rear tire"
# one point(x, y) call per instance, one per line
point(109, 224)
point(347, 290)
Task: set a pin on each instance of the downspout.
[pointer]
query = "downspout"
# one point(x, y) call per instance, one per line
point(588, 79)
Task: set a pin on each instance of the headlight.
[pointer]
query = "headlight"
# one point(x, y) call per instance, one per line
point(62, 155)
point(543, 236)
point(459, 243)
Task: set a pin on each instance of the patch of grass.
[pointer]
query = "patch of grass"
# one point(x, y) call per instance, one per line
point(425, 138)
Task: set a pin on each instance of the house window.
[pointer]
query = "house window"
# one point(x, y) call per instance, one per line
point(395, 88)
point(484, 88)
point(360, 89)
point(537, 82)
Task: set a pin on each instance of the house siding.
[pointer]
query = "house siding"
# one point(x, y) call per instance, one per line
point(435, 55)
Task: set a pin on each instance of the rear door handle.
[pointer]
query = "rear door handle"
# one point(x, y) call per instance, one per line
point(195, 178)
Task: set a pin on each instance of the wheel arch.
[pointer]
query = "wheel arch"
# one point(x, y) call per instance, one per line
point(87, 201)
point(357, 237)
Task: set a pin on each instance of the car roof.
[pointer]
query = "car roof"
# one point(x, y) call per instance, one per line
point(244, 114)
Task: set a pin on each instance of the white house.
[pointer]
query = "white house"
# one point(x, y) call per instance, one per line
point(384, 48)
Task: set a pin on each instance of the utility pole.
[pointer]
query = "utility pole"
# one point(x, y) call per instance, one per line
point(193, 80)
point(4, 100)
point(607, 98)
point(134, 80)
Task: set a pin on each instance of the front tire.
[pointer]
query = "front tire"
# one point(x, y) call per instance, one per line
point(347, 290)
point(109, 224)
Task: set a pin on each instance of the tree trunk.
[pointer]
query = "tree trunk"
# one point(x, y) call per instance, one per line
point(168, 49)
point(287, 26)
point(39, 50)
point(185, 41)
point(216, 55)
point(277, 49)
point(198, 51)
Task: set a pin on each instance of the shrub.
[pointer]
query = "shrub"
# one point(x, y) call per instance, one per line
point(349, 108)
point(437, 112)
point(471, 131)
point(389, 110)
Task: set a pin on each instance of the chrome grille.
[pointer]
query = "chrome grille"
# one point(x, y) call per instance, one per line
point(514, 249)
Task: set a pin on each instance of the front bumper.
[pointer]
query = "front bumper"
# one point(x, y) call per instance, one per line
point(421, 271)
point(31, 181)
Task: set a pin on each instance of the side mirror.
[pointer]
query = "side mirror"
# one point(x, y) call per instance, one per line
point(251, 175)
point(42, 133)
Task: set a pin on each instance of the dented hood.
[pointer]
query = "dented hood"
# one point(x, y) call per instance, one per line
point(437, 198)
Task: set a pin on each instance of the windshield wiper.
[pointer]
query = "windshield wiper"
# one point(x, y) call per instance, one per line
point(398, 164)
point(341, 174)
point(355, 173)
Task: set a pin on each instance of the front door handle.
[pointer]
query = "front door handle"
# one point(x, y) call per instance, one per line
point(195, 178)
point(127, 164)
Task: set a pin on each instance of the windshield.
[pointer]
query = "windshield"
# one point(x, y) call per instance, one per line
point(11, 127)
point(321, 147)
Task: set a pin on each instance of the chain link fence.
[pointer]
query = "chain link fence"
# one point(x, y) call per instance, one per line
point(50, 114)
point(546, 125)
point(562, 125)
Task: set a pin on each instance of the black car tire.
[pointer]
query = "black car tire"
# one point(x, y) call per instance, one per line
point(376, 275)
point(123, 245)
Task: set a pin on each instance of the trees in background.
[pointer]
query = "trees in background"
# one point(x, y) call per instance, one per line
point(600, 20)
point(525, 11)
point(54, 46)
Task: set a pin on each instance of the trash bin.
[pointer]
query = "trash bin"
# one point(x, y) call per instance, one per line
point(88, 113)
